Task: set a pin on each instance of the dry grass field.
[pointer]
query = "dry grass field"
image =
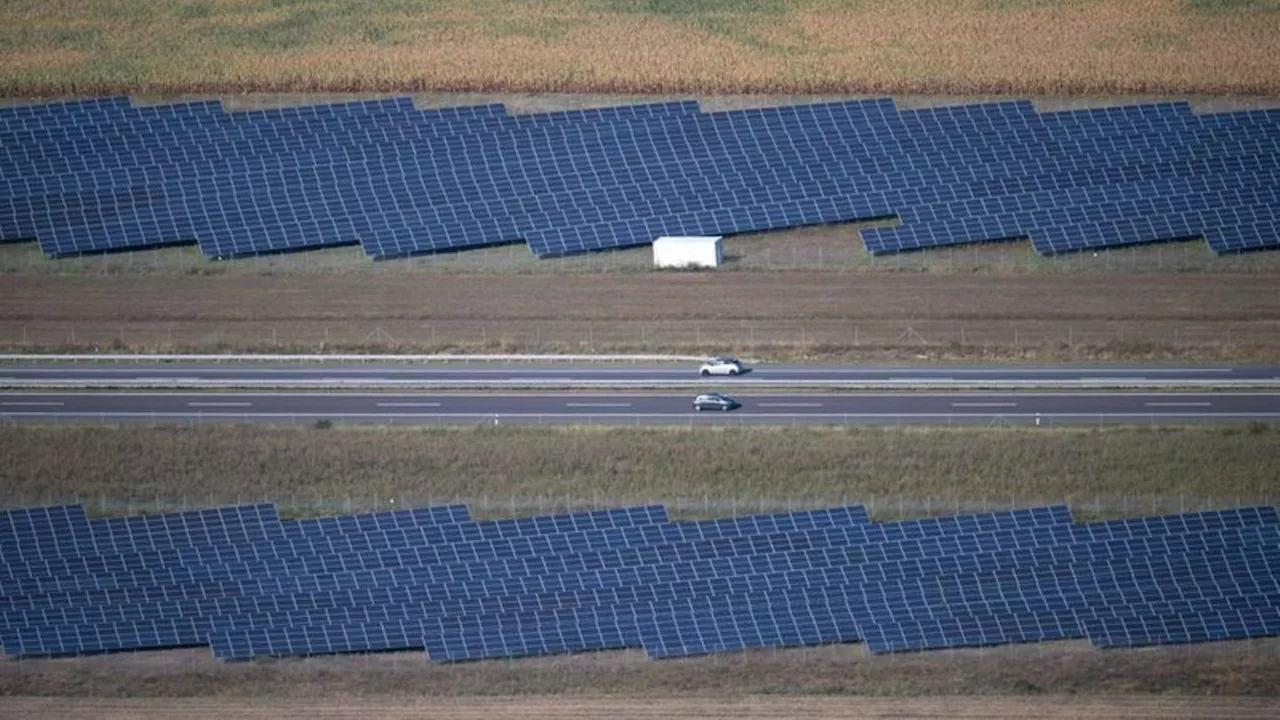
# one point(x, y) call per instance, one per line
point(803, 314)
point(505, 471)
point(845, 672)
point(883, 46)
point(753, 707)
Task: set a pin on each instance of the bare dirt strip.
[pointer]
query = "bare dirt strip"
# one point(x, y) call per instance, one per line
point(621, 708)
point(809, 314)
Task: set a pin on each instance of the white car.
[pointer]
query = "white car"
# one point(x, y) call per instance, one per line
point(721, 366)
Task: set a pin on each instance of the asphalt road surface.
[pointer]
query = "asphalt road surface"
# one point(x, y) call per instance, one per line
point(641, 408)
point(390, 375)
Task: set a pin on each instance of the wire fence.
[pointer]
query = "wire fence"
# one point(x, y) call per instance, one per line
point(881, 507)
point(1255, 423)
point(697, 336)
point(833, 248)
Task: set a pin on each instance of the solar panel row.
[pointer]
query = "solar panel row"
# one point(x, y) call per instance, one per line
point(381, 559)
point(473, 583)
point(246, 583)
point(141, 224)
point(798, 580)
point(724, 526)
point(401, 182)
point(197, 528)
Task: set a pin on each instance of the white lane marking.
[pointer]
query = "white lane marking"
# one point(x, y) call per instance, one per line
point(1178, 404)
point(219, 404)
point(409, 404)
point(1014, 370)
point(665, 393)
point(784, 404)
point(682, 368)
point(32, 404)
point(599, 405)
point(287, 417)
point(984, 404)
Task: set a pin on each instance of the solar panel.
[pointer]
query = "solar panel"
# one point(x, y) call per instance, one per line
point(51, 137)
point(431, 578)
point(23, 531)
point(705, 153)
point(1104, 530)
point(920, 165)
point(928, 214)
point(345, 565)
point(159, 186)
point(433, 590)
point(339, 560)
point(201, 137)
point(74, 112)
point(1049, 215)
point(43, 191)
point(184, 607)
point(484, 147)
point(1204, 624)
point(860, 606)
point(105, 175)
point(1091, 590)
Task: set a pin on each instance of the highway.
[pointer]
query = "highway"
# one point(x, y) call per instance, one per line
point(463, 375)
point(1062, 407)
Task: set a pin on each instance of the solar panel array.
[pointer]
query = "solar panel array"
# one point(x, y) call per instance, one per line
point(247, 583)
point(105, 175)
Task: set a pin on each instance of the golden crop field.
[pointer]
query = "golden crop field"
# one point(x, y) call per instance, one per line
point(83, 47)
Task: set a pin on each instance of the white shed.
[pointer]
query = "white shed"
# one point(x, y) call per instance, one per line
point(686, 252)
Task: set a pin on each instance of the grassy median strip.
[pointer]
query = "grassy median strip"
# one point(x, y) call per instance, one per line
point(697, 472)
point(800, 46)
